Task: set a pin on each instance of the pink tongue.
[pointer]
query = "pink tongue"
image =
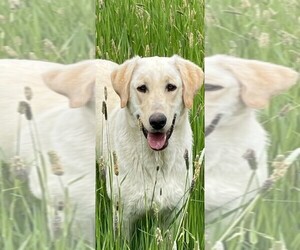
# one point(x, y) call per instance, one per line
point(156, 140)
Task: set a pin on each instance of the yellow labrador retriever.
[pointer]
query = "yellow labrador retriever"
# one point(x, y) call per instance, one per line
point(63, 128)
point(150, 137)
point(236, 143)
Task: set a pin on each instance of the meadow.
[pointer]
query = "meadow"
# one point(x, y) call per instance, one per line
point(267, 31)
point(57, 31)
point(153, 28)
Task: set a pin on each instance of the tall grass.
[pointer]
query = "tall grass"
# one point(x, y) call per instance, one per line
point(153, 28)
point(268, 31)
point(57, 31)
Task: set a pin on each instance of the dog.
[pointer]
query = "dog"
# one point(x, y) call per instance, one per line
point(63, 109)
point(236, 143)
point(150, 138)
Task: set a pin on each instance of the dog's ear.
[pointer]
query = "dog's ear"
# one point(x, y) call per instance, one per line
point(75, 81)
point(192, 78)
point(260, 80)
point(121, 78)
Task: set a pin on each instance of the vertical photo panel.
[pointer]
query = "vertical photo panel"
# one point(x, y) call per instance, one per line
point(252, 125)
point(150, 124)
point(47, 124)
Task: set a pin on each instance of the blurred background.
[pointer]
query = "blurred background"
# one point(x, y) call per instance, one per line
point(60, 31)
point(154, 28)
point(267, 31)
point(50, 30)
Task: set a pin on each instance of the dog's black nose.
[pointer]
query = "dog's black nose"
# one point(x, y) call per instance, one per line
point(158, 120)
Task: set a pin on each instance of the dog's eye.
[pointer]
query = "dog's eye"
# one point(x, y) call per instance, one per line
point(142, 88)
point(171, 87)
point(212, 87)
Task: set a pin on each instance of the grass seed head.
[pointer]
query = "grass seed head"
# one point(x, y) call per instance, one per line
point(102, 168)
point(104, 110)
point(155, 209)
point(245, 4)
point(263, 40)
point(49, 45)
point(147, 50)
point(158, 236)
point(197, 168)
point(2, 18)
point(32, 56)
point(60, 206)
point(28, 113)
point(267, 185)
point(249, 155)
point(28, 93)
point(116, 166)
point(22, 107)
point(278, 245)
point(140, 124)
point(116, 219)
point(186, 159)
point(191, 39)
point(18, 168)
point(10, 51)
point(56, 166)
point(14, 4)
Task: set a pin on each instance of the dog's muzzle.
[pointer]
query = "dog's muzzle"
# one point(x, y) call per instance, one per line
point(157, 140)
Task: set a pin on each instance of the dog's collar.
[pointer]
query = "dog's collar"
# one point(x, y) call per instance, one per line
point(211, 127)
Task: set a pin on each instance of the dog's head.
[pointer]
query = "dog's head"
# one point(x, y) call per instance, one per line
point(157, 91)
point(233, 85)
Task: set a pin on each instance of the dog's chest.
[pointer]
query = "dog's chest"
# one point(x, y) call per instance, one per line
point(229, 175)
point(152, 183)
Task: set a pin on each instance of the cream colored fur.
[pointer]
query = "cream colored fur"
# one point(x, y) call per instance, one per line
point(148, 179)
point(70, 132)
point(247, 86)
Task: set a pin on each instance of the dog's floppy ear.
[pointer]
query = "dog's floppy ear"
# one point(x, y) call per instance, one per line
point(121, 77)
point(75, 81)
point(192, 78)
point(260, 80)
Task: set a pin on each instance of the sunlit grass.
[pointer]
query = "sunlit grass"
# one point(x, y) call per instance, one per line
point(153, 28)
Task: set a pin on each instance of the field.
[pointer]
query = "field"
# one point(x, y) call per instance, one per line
point(63, 31)
point(58, 31)
point(268, 31)
point(153, 28)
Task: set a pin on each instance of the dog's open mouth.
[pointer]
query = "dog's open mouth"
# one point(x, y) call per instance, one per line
point(157, 140)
